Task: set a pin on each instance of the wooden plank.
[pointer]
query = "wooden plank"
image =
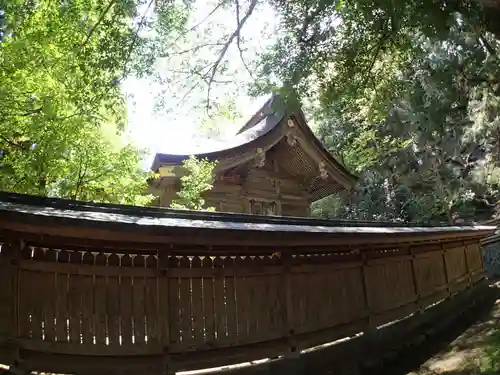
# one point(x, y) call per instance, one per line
point(321, 290)
point(25, 306)
point(139, 311)
point(100, 310)
point(241, 301)
point(62, 304)
point(48, 299)
point(265, 322)
point(87, 309)
point(208, 303)
point(261, 290)
point(126, 308)
point(163, 298)
point(219, 303)
point(185, 305)
point(175, 316)
point(279, 309)
point(113, 303)
point(75, 308)
point(309, 322)
point(36, 294)
point(152, 323)
point(197, 304)
point(253, 311)
point(151, 303)
point(232, 325)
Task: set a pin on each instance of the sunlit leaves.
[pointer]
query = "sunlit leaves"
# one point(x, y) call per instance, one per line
point(61, 107)
point(198, 179)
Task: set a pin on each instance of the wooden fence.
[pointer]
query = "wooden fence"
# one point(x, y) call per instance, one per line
point(108, 289)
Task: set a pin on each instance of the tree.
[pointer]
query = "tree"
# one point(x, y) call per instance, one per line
point(198, 179)
point(434, 155)
point(62, 113)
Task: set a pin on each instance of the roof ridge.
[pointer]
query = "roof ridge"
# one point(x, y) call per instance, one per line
point(255, 119)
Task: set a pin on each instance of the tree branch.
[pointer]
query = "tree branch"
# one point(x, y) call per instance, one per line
point(101, 18)
point(202, 21)
point(136, 36)
point(238, 39)
point(227, 44)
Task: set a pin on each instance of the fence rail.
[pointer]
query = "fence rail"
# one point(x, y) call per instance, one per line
point(102, 290)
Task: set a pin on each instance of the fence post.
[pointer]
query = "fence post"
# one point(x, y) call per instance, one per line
point(9, 295)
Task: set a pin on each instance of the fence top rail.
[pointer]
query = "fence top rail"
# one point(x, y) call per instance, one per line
point(62, 218)
point(10, 200)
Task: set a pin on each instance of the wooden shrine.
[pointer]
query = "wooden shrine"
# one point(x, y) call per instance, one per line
point(274, 165)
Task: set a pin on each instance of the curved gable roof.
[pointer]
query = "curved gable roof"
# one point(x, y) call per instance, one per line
point(262, 132)
point(256, 128)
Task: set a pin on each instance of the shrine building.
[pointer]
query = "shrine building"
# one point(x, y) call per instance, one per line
point(274, 165)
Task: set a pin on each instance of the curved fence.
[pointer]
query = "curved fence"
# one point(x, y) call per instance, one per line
point(109, 289)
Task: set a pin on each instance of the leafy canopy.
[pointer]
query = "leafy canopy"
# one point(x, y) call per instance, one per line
point(62, 113)
point(443, 115)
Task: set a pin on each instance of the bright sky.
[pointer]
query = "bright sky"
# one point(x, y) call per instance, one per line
point(173, 128)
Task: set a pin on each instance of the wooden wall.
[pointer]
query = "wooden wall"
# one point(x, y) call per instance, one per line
point(173, 307)
point(257, 183)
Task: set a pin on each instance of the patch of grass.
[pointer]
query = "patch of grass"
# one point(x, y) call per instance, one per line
point(490, 361)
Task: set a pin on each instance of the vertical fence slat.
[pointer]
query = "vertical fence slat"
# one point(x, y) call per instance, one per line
point(208, 302)
point(87, 309)
point(100, 310)
point(113, 303)
point(75, 309)
point(185, 304)
point(62, 303)
point(126, 310)
point(88, 301)
point(25, 304)
point(197, 301)
point(241, 301)
point(232, 327)
point(126, 296)
point(152, 296)
point(174, 308)
point(49, 297)
point(219, 301)
point(139, 311)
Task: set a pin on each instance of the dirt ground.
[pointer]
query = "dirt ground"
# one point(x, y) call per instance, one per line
point(467, 354)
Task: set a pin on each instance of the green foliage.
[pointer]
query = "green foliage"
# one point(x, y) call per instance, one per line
point(434, 153)
point(61, 109)
point(197, 180)
point(491, 355)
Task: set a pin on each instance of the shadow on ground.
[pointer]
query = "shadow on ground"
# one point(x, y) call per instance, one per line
point(459, 350)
